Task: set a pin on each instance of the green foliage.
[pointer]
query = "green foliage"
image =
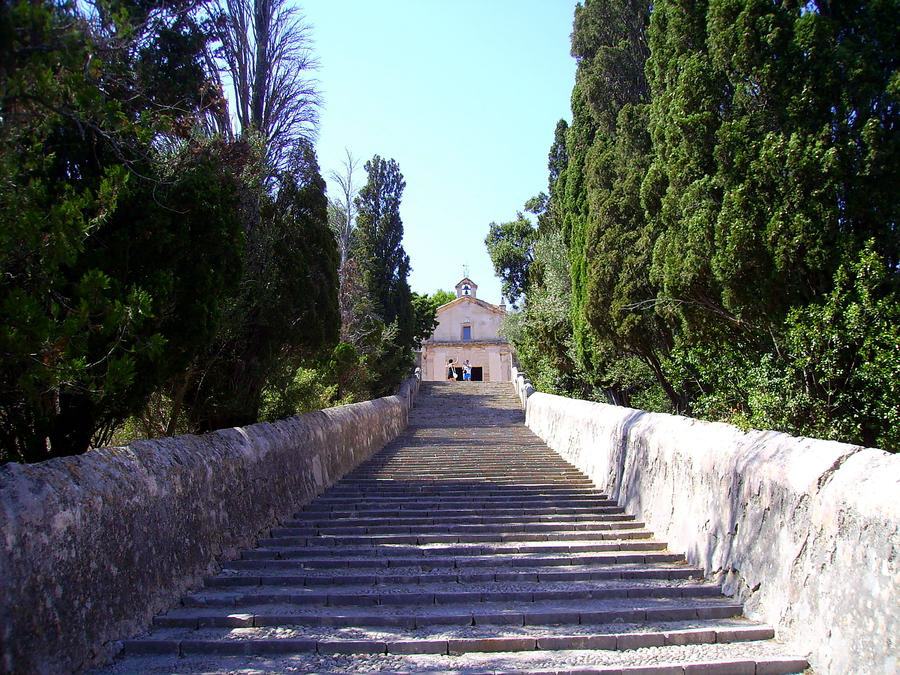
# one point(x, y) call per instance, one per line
point(541, 332)
point(115, 252)
point(304, 391)
point(441, 297)
point(425, 312)
point(841, 359)
point(726, 196)
point(286, 311)
point(510, 246)
point(315, 385)
point(155, 281)
point(768, 172)
point(833, 374)
point(384, 268)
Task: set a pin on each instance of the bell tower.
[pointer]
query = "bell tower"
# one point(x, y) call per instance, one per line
point(466, 288)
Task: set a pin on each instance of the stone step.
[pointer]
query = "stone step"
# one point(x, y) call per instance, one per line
point(414, 576)
point(480, 465)
point(430, 525)
point(376, 483)
point(508, 613)
point(483, 477)
point(563, 520)
point(507, 464)
point(607, 512)
point(468, 450)
point(738, 658)
point(497, 482)
point(427, 537)
point(456, 562)
point(501, 459)
point(453, 500)
point(420, 445)
point(446, 594)
point(389, 546)
point(437, 491)
point(427, 451)
point(376, 518)
point(432, 472)
point(447, 640)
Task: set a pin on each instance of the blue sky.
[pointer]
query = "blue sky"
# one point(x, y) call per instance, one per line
point(464, 94)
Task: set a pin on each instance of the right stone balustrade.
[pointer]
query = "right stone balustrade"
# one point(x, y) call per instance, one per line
point(804, 532)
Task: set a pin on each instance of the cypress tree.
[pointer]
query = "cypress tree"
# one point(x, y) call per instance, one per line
point(384, 263)
point(729, 207)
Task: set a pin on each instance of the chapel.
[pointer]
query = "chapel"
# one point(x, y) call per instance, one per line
point(468, 328)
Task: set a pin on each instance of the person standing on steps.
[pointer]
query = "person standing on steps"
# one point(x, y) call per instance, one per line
point(451, 371)
point(467, 371)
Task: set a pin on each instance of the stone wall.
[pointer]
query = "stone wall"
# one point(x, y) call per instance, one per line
point(805, 532)
point(484, 318)
point(492, 358)
point(94, 546)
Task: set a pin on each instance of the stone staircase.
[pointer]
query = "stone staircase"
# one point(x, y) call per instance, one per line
point(465, 545)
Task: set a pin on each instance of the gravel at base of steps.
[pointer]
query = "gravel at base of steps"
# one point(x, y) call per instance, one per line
point(751, 658)
point(387, 634)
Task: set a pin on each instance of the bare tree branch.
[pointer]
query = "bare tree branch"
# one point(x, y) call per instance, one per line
point(265, 55)
point(346, 206)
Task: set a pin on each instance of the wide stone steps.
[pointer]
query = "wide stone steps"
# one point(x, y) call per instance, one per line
point(442, 594)
point(459, 563)
point(462, 492)
point(410, 576)
point(262, 641)
point(479, 503)
point(386, 487)
point(459, 611)
point(464, 546)
point(372, 539)
point(464, 523)
point(497, 515)
point(423, 528)
point(443, 551)
point(411, 511)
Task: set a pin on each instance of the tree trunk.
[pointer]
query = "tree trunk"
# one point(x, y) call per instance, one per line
point(262, 12)
point(678, 400)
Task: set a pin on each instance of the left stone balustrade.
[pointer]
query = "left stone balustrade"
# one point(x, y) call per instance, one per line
point(93, 546)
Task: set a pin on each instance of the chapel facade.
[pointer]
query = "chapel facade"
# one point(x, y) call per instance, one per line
point(468, 328)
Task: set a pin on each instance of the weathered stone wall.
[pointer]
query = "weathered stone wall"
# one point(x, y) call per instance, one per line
point(805, 532)
point(93, 546)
